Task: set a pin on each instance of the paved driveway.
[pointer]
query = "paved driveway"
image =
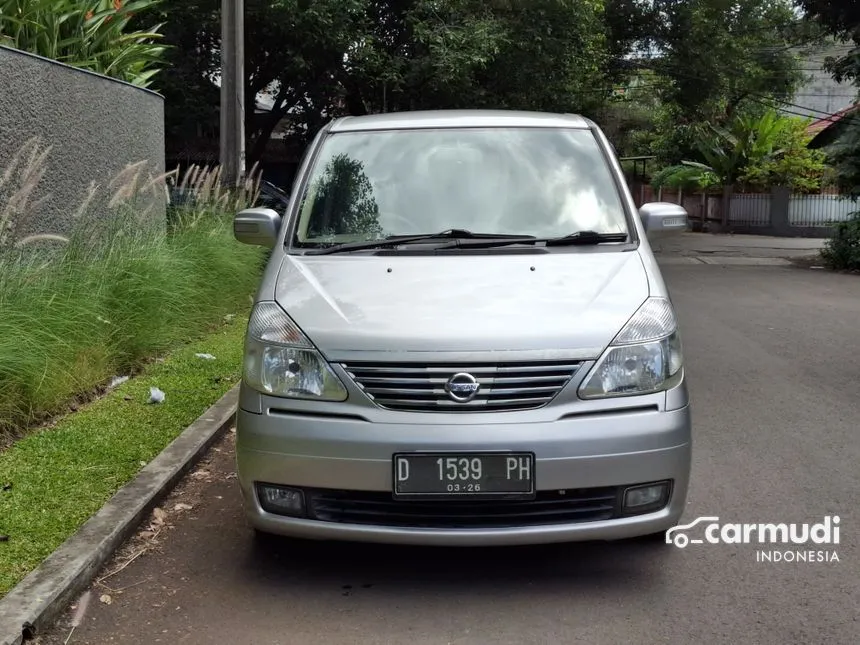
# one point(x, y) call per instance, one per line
point(772, 356)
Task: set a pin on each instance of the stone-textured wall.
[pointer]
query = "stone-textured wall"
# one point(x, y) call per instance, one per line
point(95, 126)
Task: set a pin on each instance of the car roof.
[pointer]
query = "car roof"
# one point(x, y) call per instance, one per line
point(458, 119)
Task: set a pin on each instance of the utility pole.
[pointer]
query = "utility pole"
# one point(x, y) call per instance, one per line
point(232, 91)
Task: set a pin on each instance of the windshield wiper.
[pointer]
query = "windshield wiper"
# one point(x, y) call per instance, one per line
point(397, 240)
point(585, 237)
point(582, 238)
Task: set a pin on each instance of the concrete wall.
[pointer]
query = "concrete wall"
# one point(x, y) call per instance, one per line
point(820, 95)
point(96, 127)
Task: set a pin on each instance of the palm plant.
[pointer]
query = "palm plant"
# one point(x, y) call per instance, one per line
point(90, 34)
point(749, 139)
point(727, 152)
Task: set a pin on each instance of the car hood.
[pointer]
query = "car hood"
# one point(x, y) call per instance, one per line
point(571, 303)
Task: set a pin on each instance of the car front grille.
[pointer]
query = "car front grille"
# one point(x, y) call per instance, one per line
point(417, 387)
point(381, 509)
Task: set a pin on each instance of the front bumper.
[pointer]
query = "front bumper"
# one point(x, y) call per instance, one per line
point(594, 452)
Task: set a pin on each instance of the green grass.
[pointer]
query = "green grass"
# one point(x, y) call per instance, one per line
point(101, 307)
point(61, 475)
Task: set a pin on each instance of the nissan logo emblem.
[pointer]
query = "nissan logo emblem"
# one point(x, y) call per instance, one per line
point(462, 387)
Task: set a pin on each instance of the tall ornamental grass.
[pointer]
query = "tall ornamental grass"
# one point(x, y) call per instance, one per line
point(90, 34)
point(76, 311)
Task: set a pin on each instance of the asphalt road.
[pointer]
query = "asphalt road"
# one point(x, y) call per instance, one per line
point(773, 364)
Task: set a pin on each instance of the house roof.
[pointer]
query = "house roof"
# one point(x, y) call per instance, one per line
point(825, 130)
point(816, 127)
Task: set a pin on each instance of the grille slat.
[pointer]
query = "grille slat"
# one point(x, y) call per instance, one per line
point(550, 507)
point(502, 386)
point(440, 380)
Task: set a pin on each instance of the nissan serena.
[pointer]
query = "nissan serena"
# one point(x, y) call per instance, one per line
point(462, 338)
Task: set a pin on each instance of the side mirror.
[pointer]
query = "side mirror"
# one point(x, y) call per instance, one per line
point(660, 218)
point(257, 226)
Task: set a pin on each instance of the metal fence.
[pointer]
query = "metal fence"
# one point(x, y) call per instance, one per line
point(819, 210)
point(775, 213)
point(751, 209)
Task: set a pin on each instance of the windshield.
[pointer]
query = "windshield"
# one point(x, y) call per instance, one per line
point(506, 181)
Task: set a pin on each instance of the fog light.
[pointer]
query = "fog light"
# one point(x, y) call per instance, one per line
point(650, 497)
point(281, 500)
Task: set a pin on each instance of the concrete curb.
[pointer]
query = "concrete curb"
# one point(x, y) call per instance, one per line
point(39, 599)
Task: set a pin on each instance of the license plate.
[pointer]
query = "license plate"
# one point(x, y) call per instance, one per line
point(425, 475)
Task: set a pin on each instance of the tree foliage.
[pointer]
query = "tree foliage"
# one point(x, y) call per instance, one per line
point(702, 61)
point(841, 19)
point(719, 58)
point(844, 158)
point(753, 153)
point(748, 141)
point(321, 58)
point(792, 163)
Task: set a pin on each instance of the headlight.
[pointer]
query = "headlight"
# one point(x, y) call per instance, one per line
point(281, 361)
point(644, 357)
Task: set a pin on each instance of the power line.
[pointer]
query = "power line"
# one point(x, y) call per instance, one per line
point(848, 118)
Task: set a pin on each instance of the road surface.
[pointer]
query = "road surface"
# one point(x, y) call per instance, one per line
point(774, 371)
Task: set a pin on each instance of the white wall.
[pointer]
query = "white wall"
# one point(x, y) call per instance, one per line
point(821, 95)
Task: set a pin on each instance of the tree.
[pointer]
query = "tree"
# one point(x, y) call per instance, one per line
point(322, 58)
point(293, 50)
point(842, 20)
point(719, 58)
point(629, 26)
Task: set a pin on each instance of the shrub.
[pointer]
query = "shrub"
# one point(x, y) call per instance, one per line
point(91, 34)
point(842, 249)
point(793, 164)
point(80, 310)
point(687, 176)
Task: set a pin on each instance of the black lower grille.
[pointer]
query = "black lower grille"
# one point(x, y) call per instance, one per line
point(381, 509)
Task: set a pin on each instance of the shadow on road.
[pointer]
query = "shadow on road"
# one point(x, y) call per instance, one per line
point(277, 562)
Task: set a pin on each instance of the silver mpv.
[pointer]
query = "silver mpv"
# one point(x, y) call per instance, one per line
point(462, 338)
